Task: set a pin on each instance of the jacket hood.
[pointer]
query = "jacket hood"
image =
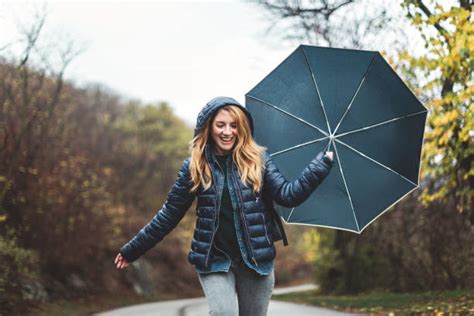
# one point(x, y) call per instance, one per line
point(213, 106)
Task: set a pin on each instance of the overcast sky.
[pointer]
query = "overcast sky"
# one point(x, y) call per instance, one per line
point(184, 53)
point(181, 52)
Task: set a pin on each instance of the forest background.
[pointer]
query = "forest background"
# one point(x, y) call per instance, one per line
point(83, 169)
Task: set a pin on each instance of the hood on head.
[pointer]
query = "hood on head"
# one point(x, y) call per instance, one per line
point(213, 106)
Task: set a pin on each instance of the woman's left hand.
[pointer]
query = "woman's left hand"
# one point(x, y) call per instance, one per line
point(120, 262)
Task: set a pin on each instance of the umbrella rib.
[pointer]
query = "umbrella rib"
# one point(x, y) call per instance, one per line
point(290, 214)
point(345, 184)
point(298, 146)
point(317, 91)
point(354, 96)
point(371, 159)
point(381, 123)
point(289, 114)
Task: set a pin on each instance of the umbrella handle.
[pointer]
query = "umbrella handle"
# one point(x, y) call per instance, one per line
point(326, 151)
point(327, 146)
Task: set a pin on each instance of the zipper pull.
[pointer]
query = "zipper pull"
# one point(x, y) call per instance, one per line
point(255, 261)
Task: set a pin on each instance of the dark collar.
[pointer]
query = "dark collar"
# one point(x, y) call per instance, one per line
point(210, 153)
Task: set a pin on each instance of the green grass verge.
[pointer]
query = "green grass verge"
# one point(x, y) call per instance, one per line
point(459, 302)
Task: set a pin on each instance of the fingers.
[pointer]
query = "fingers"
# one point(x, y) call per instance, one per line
point(329, 155)
point(120, 262)
point(122, 265)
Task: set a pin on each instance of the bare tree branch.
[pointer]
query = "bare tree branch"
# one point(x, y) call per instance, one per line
point(339, 23)
point(31, 36)
point(428, 13)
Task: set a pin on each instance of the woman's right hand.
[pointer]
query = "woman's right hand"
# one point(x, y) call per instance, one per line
point(121, 262)
point(329, 154)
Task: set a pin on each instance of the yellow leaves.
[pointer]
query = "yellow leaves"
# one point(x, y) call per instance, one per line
point(452, 115)
point(417, 20)
point(447, 67)
point(439, 7)
point(433, 19)
point(443, 140)
point(446, 118)
point(469, 174)
point(404, 55)
point(107, 171)
point(463, 15)
point(464, 135)
point(443, 130)
point(436, 42)
point(311, 240)
point(440, 195)
point(3, 218)
point(116, 214)
point(6, 184)
point(458, 33)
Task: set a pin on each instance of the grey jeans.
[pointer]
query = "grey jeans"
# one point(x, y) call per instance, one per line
point(240, 291)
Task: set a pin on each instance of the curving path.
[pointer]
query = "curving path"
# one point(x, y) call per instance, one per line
point(198, 307)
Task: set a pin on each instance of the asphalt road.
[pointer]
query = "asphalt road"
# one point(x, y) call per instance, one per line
point(198, 307)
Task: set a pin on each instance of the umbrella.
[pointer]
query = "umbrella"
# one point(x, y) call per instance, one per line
point(350, 102)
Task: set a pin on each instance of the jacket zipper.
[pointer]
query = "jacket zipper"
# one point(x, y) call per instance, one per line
point(257, 197)
point(217, 225)
point(265, 227)
point(247, 238)
point(216, 215)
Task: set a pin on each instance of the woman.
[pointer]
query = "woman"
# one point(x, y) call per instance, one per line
point(235, 182)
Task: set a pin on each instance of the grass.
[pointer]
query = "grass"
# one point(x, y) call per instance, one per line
point(458, 302)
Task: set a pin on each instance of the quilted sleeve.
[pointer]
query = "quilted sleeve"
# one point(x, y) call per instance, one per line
point(178, 201)
point(293, 193)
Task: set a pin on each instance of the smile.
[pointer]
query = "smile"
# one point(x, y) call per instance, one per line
point(227, 141)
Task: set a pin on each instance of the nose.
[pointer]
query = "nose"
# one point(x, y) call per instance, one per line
point(227, 130)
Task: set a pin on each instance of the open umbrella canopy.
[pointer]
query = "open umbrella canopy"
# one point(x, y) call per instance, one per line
point(350, 102)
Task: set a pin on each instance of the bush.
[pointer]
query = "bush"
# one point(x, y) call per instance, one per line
point(16, 264)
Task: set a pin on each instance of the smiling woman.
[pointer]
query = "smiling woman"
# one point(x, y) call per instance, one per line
point(235, 181)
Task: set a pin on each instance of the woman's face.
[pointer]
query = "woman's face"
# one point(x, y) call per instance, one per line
point(224, 132)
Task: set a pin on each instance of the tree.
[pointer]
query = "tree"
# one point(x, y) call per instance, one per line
point(411, 248)
point(336, 23)
point(444, 75)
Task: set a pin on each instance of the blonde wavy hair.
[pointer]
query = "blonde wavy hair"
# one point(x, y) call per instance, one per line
point(247, 154)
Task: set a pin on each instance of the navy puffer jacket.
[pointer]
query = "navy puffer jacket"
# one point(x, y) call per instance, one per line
point(260, 223)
